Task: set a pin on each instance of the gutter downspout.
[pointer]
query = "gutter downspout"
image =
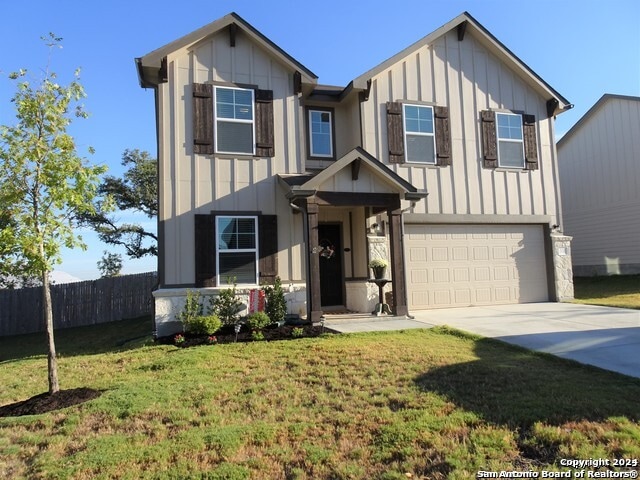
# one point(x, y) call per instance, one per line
point(159, 223)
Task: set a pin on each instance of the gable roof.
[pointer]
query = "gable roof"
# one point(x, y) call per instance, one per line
point(308, 184)
point(465, 22)
point(150, 64)
point(592, 111)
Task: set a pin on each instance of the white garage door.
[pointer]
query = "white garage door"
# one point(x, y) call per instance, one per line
point(463, 265)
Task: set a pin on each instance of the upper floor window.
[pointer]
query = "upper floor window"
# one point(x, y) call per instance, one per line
point(321, 134)
point(510, 140)
point(234, 120)
point(419, 134)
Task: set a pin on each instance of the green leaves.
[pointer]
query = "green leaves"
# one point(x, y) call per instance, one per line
point(136, 191)
point(52, 40)
point(110, 264)
point(44, 182)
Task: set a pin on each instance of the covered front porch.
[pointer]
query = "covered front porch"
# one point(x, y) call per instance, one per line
point(352, 212)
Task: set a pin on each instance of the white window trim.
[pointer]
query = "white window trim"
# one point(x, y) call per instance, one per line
point(421, 134)
point(311, 152)
point(234, 120)
point(511, 140)
point(222, 282)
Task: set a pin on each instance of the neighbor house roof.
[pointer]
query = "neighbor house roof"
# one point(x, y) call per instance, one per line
point(592, 111)
point(150, 64)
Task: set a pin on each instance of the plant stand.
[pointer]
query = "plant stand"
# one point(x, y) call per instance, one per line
point(381, 307)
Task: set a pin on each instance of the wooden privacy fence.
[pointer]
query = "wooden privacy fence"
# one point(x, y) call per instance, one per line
point(77, 304)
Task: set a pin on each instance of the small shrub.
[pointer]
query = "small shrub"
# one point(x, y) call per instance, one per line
point(192, 308)
point(203, 325)
point(297, 332)
point(227, 305)
point(257, 335)
point(276, 304)
point(258, 320)
point(178, 339)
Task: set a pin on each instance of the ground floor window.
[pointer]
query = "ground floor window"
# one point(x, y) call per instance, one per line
point(237, 250)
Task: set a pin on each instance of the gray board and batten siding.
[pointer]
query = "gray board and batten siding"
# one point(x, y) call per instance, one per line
point(599, 163)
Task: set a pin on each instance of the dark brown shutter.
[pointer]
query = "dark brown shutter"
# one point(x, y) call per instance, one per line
point(297, 82)
point(264, 123)
point(530, 142)
point(205, 250)
point(395, 132)
point(202, 118)
point(489, 140)
point(443, 136)
point(268, 265)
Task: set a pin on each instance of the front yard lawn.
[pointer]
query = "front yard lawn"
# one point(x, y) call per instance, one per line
point(430, 404)
point(612, 291)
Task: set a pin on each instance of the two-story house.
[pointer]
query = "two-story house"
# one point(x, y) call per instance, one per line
point(599, 165)
point(441, 159)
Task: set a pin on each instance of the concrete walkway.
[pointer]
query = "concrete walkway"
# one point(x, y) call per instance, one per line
point(606, 337)
point(368, 323)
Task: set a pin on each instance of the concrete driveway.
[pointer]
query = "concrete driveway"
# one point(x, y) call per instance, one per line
point(606, 337)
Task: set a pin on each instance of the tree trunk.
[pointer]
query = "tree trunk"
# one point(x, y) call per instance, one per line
point(48, 318)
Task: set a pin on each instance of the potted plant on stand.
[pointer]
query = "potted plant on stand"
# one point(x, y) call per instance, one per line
point(378, 266)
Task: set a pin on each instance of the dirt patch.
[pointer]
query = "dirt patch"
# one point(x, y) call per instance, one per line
point(46, 402)
point(535, 451)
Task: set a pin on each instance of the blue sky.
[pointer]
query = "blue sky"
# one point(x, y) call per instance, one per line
point(582, 48)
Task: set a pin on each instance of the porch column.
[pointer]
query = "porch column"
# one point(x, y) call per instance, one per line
point(314, 310)
point(397, 262)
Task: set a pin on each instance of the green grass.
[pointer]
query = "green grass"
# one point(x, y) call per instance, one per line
point(103, 338)
point(612, 291)
point(432, 403)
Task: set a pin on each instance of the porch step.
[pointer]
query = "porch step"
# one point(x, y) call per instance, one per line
point(359, 317)
point(364, 322)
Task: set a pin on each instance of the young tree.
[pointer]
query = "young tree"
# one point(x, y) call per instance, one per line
point(44, 183)
point(110, 265)
point(136, 191)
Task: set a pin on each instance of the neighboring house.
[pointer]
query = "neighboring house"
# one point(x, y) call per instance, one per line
point(599, 162)
point(441, 159)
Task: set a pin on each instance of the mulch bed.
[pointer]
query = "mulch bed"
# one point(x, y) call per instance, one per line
point(227, 335)
point(46, 402)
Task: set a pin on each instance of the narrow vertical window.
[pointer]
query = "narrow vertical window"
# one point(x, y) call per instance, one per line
point(320, 133)
point(510, 140)
point(419, 134)
point(234, 114)
point(237, 250)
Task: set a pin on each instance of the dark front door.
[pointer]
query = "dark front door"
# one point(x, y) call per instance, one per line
point(331, 279)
